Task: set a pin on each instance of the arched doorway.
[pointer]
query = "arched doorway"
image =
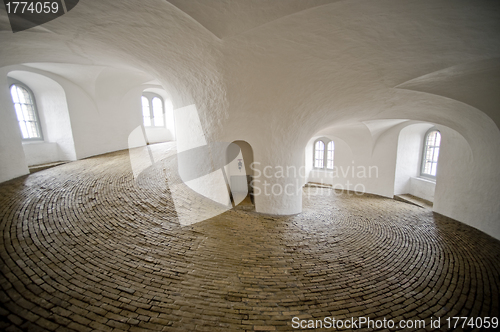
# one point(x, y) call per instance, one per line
point(240, 174)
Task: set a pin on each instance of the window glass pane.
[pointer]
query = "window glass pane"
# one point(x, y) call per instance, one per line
point(22, 95)
point(330, 155)
point(27, 97)
point(19, 112)
point(433, 169)
point(438, 138)
point(159, 121)
point(24, 130)
point(431, 139)
point(428, 155)
point(436, 155)
point(13, 92)
point(25, 112)
point(431, 153)
point(158, 112)
point(319, 154)
point(28, 114)
point(32, 130)
point(145, 107)
point(146, 112)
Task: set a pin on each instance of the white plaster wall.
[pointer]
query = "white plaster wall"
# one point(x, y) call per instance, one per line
point(12, 160)
point(54, 119)
point(308, 160)
point(422, 188)
point(410, 144)
point(104, 109)
point(157, 135)
point(197, 169)
point(111, 121)
point(274, 193)
point(38, 153)
point(468, 176)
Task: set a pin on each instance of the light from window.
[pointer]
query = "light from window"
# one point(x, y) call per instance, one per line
point(158, 112)
point(431, 153)
point(146, 112)
point(329, 155)
point(319, 154)
point(152, 110)
point(26, 112)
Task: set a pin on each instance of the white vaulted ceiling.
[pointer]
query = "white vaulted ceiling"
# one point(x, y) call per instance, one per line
point(288, 67)
point(226, 18)
point(320, 62)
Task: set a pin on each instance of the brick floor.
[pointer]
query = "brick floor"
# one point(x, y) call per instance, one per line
point(84, 247)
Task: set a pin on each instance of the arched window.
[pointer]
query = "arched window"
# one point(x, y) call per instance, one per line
point(152, 110)
point(321, 154)
point(430, 154)
point(27, 115)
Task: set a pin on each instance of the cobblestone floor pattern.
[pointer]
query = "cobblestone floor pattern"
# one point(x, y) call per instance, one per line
point(84, 247)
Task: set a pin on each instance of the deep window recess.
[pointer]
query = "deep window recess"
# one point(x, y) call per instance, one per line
point(26, 112)
point(152, 110)
point(321, 154)
point(430, 154)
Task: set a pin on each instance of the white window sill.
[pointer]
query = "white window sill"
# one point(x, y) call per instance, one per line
point(34, 142)
point(421, 178)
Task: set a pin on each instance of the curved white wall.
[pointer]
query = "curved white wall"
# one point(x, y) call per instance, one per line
point(468, 175)
point(12, 160)
point(410, 144)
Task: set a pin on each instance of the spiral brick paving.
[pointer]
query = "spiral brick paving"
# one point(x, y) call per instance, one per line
point(85, 247)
